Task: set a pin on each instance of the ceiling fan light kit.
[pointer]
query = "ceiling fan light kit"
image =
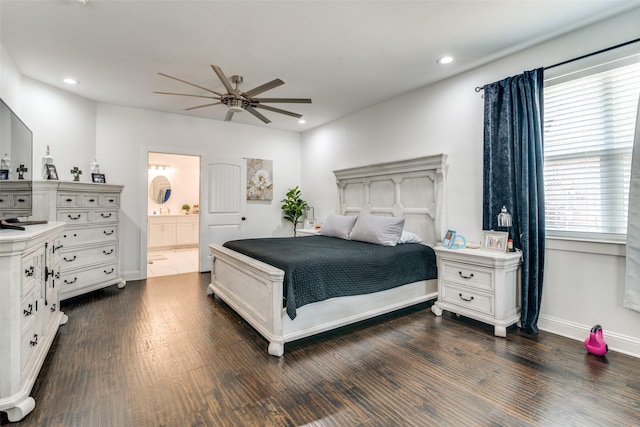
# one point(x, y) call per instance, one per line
point(238, 101)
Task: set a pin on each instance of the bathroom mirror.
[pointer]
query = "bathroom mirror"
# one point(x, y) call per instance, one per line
point(160, 189)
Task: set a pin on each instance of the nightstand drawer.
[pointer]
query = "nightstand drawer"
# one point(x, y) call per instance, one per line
point(467, 298)
point(466, 274)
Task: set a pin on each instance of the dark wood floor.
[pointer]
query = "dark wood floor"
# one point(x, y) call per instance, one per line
point(161, 353)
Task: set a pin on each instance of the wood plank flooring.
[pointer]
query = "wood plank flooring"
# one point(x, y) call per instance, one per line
point(162, 353)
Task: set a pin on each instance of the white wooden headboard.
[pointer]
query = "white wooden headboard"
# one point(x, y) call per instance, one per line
point(413, 188)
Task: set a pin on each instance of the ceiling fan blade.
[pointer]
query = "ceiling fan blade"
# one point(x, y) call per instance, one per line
point(225, 81)
point(186, 94)
point(263, 88)
point(229, 115)
point(258, 115)
point(284, 100)
point(200, 106)
point(276, 110)
point(189, 83)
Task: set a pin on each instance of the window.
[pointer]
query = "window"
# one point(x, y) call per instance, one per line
point(589, 124)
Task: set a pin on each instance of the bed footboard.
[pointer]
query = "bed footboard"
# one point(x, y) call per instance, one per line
point(254, 290)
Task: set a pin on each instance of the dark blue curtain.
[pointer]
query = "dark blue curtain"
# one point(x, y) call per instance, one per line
point(513, 177)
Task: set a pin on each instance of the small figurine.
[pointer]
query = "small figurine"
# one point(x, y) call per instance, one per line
point(5, 162)
point(46, 160)
point(21, 170)
point(76, 173)
point(95, 166)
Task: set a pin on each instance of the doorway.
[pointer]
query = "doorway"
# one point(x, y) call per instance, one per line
point(173, 210)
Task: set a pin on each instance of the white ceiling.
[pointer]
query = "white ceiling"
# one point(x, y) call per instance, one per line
point(344, 55)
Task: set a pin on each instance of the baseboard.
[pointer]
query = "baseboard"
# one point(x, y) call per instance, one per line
point(616, 342)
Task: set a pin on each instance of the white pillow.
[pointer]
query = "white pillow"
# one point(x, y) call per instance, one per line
point(381, 230)
point(338, 226)
point(409, 237)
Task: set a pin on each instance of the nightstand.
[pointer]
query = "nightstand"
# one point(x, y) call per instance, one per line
point(301, 232)
point(481, 284)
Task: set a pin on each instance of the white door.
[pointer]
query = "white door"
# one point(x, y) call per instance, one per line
point(223, 202)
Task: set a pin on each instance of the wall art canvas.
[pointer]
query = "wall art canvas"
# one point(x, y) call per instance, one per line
point(259, 179)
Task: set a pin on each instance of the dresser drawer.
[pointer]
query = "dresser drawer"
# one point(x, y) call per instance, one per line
point(6, 200)
point(76, 236)
point(466, 274)
point(104, 216)
point(68, 200)
point(89, 200)
point(467, 298)
point(28, 310)
point(110, 200)
point(73, 217)
point(30, 343)
point(31, 270)
point(94, 255)
point(75, 279)
point(21, 201)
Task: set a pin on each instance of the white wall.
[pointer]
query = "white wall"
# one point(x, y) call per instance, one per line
point(63, 121)
point(125, 136)
point(582, 285)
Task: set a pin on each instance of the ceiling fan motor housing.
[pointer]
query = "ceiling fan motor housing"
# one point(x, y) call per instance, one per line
point(235, 104)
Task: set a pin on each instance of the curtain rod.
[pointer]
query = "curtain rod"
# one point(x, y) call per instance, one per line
point(568, 61)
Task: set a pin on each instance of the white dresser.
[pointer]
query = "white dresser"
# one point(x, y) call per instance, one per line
point(90, 258)
point(29, 310)
point(483, 285)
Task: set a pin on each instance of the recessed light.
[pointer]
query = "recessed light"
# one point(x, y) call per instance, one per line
point(302, 121)
point(445, 60)
point(70, 81)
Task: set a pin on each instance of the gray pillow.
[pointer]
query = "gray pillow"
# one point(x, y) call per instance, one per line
point(338, 226)
point(381, 230)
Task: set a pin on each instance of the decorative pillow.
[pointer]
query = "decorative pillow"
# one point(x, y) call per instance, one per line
point(380, 230)
point(409, 237)
point(338, 226)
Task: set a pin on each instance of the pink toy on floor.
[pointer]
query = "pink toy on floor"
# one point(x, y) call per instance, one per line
point(595, 342)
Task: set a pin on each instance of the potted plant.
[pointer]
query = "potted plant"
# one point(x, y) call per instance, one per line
point(186, 208)
point(293, 207)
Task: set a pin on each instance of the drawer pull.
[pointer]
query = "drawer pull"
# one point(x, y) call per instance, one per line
point(70, 259)
point(470, 276)
point(35, 341)
point(29, 271)
point(111, 200)
point(108, 233)
point(57, 248)
point(20, 200)
point(75, 279)
point(69, 200)
point(74, 217)
point(109, 272)
point(465, 299)
point(92, 200)
point(105, 216)
point(53, 307)
point(29, 312)
point(57, 276)
point(108, 253)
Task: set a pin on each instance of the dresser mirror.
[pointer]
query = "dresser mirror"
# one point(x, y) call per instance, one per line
point(160, 189)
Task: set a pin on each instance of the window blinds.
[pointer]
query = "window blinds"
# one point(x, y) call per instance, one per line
point(589, 123)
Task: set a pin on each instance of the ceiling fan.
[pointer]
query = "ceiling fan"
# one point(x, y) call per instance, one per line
point(238, 101)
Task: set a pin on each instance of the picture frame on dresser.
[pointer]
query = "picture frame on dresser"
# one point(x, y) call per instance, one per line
point(98, 177)
point(495, 241)
point(52, 173)
point(4, 174)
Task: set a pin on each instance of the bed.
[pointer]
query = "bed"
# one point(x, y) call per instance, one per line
point(412, 189)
